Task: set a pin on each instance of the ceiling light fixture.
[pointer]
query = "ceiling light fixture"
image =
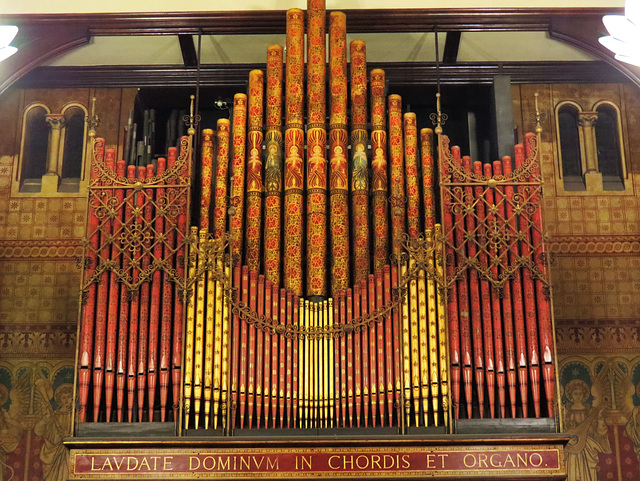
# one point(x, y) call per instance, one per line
point(624, 33)
point(7, 34)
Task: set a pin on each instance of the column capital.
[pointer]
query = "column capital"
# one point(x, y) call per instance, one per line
point(587, 119)
point(56, 121)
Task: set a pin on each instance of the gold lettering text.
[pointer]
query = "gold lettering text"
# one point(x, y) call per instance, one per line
point(144, 461)
point(362, 462)
point(469, 460)
point(212, 463)
point(223, 465)
point(538, 458)
point(132, 466)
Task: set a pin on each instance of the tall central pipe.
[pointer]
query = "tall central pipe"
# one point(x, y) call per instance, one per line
point(316, 150)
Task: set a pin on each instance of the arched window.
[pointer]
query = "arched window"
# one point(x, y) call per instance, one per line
point(608, 143)
point(35, 143)
point(73, 146)
point(570, 147)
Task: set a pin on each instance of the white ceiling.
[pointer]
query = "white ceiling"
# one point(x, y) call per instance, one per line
point(384, 47)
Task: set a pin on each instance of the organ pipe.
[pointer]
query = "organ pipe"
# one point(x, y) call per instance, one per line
point(335, 295)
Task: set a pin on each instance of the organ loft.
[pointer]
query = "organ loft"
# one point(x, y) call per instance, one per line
point(318, 282)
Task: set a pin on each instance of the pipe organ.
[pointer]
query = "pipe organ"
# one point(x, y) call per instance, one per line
point(318, 287)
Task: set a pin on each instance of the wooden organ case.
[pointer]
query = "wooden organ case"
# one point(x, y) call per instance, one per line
point(342, 279)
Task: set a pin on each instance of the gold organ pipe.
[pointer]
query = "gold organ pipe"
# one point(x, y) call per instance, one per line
point(308, 356)
point(328, 374)
point(433, 329)
point(442, 324)
point(210, 321)
point(188, 348)
point(424, 344)
point(314, 372)
point(323, 367)
point(199, 333)
point(332, 372)
point(407, 358)
point(301, 364)
point(415, 343)
point(217, 348)
point(225, 350)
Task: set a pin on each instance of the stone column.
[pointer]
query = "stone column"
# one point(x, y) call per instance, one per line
point(51, 179)
point(592, 178)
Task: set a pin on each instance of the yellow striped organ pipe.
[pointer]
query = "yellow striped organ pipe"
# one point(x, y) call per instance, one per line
point(190, 325)
point(433, 330)
point(209, 327)
point(442, 323)
point(307, 365)
point(218, 322)
point(406, 346)
point(224, 378)
point(332, 371)
point(199, 334)
point(423, 329)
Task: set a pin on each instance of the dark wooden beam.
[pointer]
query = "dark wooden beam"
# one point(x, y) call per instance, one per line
point(451, 47)
point(273, 21)
point(188, 49)
point(402, 73)
point(583, 33)
point(46, 36)
point(37, 45)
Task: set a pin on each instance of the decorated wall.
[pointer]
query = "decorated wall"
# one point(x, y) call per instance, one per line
point(40, 258)
point(593, 237)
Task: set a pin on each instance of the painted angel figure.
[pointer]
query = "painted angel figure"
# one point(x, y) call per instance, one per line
point(14, 405)
point(360, 174)
point(585, 420)
point(53, 426)
point(629, 389)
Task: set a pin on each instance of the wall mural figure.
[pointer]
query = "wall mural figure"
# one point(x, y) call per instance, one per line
point(14, 405)
point(585, 407)
point(54, 402)
point(631, 410)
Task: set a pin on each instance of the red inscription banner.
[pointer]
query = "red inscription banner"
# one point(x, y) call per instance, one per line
point(455, 461)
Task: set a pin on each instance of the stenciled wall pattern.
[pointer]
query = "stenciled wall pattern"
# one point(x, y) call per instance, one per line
point(40, 258)
point(594, 241)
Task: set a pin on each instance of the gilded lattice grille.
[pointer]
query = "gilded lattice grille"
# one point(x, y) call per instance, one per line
point(499, 295)
point(133, 285)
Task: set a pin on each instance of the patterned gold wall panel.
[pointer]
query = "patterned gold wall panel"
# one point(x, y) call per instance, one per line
point(39, 291)
point(38, 218)
point(594, 238)
point(596, 287)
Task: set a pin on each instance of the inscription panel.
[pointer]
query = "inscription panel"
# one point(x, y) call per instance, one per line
point(453, 461)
